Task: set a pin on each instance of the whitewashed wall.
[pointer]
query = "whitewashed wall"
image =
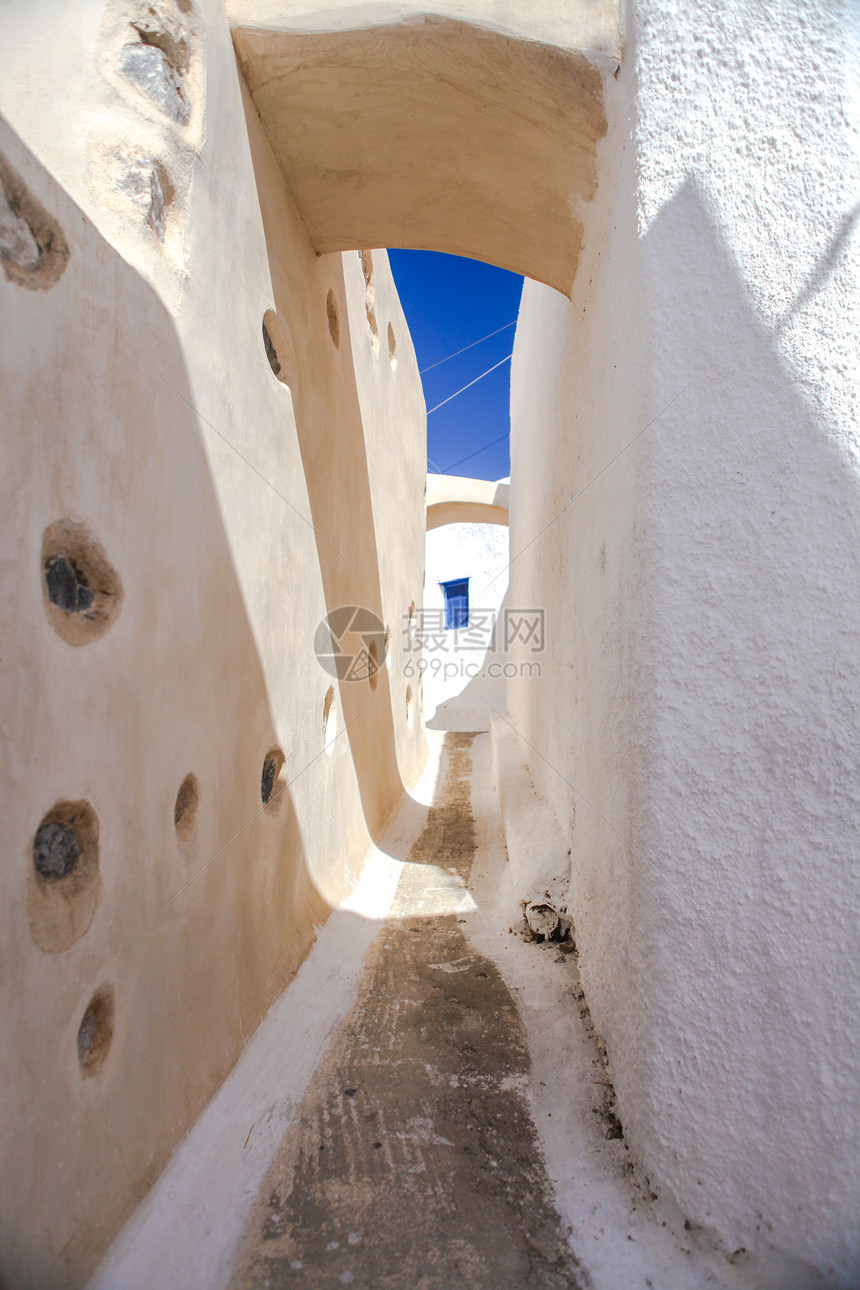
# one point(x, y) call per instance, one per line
point(457, 686)
point(697, 724)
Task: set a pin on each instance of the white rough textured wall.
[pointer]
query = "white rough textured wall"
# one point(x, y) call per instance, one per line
point(697, 729)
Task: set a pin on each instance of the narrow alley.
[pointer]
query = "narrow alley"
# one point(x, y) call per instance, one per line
point(399, 1098)
point(413, 1161)
point(413, 879)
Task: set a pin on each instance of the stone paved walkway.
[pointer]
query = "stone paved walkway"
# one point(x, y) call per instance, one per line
point(413, 1163)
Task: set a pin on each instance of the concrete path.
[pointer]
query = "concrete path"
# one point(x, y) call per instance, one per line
point(380, 1129)
point(413, 1162)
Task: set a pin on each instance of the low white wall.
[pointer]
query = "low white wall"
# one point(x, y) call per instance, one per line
point(685, 443)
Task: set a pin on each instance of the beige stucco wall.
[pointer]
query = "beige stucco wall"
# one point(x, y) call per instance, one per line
point(138, 401)
point(452, 130)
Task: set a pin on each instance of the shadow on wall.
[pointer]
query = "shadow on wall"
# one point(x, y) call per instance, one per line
point(756, 707)
point(205, 906)
point(719, 951)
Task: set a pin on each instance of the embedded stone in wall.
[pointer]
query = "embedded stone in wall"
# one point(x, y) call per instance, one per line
point(370, 298)
point(153, 56)
point(66, 586)
point(56, 850)
point(374, 330)
point(16, 239)
point(82, 590)
point(542, 918)
point(277, 345)
point(148, 185)
point(64, 886)
point(145, 181)
point(333, 317)
point(271, 352)
point(185, 811)
point(273, 779)
point(95, 1032)
point(267, 779)
point(33, 250)
point(157, 63)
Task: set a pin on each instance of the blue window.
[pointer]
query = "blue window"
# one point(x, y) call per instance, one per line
point(456, 603)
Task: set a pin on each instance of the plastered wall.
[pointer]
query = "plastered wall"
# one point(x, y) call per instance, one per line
point(698, 500)
point(160, 485)
point(683, 452)
point(371, 109)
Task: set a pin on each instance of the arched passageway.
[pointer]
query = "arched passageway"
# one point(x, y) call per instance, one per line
point(453, 499)
point(434, 132)
point(474, 137)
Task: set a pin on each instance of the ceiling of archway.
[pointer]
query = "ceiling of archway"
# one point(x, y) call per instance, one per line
point(433, 133)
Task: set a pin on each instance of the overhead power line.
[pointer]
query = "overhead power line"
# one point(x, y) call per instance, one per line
point(506, 359)
point(465, 347)
point(491, 444)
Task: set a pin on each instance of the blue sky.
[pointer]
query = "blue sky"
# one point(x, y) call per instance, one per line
point(450, 302)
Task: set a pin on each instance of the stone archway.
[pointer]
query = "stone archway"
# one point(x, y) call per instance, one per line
point(432, 132)
point(453, 499)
